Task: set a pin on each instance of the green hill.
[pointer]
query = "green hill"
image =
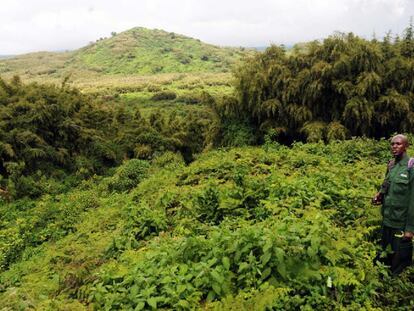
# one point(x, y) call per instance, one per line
point(145, 51)
point(35, 65)
point(138, 51)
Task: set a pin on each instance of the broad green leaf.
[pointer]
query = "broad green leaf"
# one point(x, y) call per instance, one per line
point(266, 273)
point(217, 277)
point(152, 302)
point(140, 306)
point(216, 288)
point(281, 268)
point(243, 266)
point(134, 290)
point(211, 296)
point(265, 258)
point(226, 263)
point(181, 288)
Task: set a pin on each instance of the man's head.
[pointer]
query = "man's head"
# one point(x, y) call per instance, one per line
point(399, 145)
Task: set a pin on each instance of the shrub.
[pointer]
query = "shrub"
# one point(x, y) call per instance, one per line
point(157, 69)
point(168, 159)
point(153, 88)
point(164, 95)
point(237, 133)
point(190, 98)
point(128, 175)
point(145, 221)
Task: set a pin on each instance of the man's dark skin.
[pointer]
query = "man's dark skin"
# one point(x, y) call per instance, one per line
point(399, 145)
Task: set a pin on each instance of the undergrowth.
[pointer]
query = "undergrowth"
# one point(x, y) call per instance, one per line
point(270, 228)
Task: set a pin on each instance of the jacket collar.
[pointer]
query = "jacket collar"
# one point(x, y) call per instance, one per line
point(403, 160)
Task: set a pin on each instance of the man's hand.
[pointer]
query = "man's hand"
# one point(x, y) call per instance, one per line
point(408, 235)
point(377, 199)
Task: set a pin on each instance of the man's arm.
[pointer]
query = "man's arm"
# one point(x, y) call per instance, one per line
point(378, 198)
point(409, 222)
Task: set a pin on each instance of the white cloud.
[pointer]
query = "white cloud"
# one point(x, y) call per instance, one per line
point(59, 24)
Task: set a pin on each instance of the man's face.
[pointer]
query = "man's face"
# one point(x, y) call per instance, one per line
point(398, 146)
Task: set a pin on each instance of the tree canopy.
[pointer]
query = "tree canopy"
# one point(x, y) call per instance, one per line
point(343, 86)
point(49, 130)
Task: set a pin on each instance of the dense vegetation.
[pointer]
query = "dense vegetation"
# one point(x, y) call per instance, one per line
point(144, 194)
point(144, 51)
point(344, 86)
point(48, 132)
point(272, 227)
point(47, 128)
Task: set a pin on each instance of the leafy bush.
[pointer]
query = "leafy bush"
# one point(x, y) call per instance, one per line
point(282, 228)
point(168, 159)
point(274, 228)
point(164, 95)
point(340, 87)
point(47, 128)
point(189, 98)
point(237, 133)
point(128, 175)
point(145, 222)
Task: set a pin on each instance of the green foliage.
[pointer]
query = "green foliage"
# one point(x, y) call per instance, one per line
point(45, 128)
point(48, 132)
point(340, 87)
point(144, 51)
point(237, 133)
point(164, 95)
point(138, 51)
point(168, 159)
point(191, 98)
point(172, 227)
point(128, 175)
point(262, 228)
point(27, 224)
point(208, 207)
point(145, 222)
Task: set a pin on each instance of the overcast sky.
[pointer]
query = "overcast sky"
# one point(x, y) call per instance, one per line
point(50, 25)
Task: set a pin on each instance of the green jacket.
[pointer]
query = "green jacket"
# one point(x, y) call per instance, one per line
point(398, 204)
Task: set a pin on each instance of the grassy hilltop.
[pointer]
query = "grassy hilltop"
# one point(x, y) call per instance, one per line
point(138, 51)
point(144, 51)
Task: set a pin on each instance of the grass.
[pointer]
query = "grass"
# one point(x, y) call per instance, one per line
point(132, 57)
point(144, 51)
point(188, 89)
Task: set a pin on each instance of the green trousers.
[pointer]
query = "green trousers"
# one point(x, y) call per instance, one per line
point(401, 253)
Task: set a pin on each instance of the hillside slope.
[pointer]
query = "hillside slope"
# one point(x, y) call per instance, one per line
point(244, 229)
point(136, 51)
point(144, 51)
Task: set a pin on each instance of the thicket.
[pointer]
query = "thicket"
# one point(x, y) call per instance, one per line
point(341, 87)
point(49, 131)
point(271, 228)
point(274, 227)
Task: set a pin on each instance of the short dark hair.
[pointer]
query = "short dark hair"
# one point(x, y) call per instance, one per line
point(403, 137)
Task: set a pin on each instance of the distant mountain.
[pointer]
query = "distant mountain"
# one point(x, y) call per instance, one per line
point(260, 48)
point(264, 47)
point(136, 51)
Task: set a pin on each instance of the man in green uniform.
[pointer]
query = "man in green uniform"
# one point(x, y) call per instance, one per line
point(397, 199)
